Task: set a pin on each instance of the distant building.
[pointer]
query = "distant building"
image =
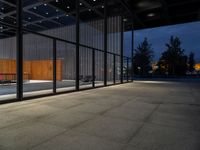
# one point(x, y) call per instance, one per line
point(197, 67)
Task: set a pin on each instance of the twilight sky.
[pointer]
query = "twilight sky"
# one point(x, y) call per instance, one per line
point(189, 34)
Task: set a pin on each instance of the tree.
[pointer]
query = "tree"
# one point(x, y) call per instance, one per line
point(191, 62)
point(142, 58)
point(173, 59)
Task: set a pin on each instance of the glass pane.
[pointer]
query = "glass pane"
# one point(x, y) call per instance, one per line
point(38, 65)
point(118, 70)
point(99, 68)
point(85, 67)
point(110, 69)
point(66, 66)
point(8, 69)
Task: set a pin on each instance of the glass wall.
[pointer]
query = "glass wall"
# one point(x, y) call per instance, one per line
point(66, 66)
point(127, 52)
point(92, 39)
point(37, 65)
point(110, 69)
point(99, 68)
point(118, 69)
point(50, 49)
point(51, 21)
point(8, 70)
point(85, 59)
point(8, 73)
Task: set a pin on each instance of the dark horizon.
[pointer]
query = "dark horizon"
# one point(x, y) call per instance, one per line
point(189, 34)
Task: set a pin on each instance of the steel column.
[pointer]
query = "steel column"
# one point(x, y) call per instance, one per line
point(132, 51)
point(19, 51)
point(105, 40)
point(127, 70)
point(77, 43)
point(54, 65)
point(114, 68)
point(93, 68)
point(122, 47)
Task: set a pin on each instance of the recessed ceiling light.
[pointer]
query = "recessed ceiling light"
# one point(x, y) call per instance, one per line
point(67, 15)
point(68, 7)
point(102, 6)
point(57, 1)
point(94, 0)
point(35, 7)
point(46, 13)
point(125, 19)
point(89, 9)
point(144, 4)
point(150, 14)
point(45, 4)
point(1, 27)
point(81, 4)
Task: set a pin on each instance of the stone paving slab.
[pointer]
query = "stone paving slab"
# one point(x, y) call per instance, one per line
point(156, 137)
point(118, 130)
point(27, 134)
point(79, 141)
point(144, 115)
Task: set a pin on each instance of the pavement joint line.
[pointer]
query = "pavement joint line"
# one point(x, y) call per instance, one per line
point(36, 145)
point(165, 125)
point(35, 118)
point(114, 107)
point(143, 124)
point(27, 118)
point(71, 129)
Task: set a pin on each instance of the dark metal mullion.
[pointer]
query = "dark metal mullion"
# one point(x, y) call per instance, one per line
point(122, 47)
point(114, 68)
point(19, 51)
point(77, 43)
point(132, 51)
point(105, 40)
point(127, 69)
point(54, 66)
point(93, 68)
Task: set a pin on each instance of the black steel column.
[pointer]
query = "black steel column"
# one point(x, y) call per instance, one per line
point(105, 40)
point(122, 47)
point(93, 68)
point(77, 43)
point(132, 51)
point(127, 70)
point(19, 51)
point(114, 68)
point(54, 66)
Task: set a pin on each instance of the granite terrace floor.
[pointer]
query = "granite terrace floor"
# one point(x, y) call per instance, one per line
point(144, 115)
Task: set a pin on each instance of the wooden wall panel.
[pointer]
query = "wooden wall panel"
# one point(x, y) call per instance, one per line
point(59, 70)
point(43, 70)
point(7, 66)
point(33, 70)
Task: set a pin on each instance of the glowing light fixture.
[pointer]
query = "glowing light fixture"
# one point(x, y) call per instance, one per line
point(150, 14)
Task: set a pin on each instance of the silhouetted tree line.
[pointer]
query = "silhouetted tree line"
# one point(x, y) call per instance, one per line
point(173, 61)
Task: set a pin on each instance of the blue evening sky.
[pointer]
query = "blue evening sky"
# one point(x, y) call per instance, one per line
point(189, 34)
